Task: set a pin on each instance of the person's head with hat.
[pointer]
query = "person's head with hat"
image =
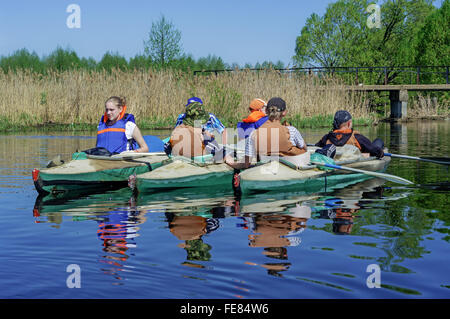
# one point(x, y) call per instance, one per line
point(257, 105)
point(276, 109)
point(342, 120)
point(195, 112)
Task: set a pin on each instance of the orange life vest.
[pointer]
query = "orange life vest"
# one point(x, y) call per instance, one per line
point(352, 140)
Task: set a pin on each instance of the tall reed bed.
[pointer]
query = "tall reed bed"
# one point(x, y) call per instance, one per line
point(157, 97)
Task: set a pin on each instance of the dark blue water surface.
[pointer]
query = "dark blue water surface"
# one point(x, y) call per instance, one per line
point(212, 244)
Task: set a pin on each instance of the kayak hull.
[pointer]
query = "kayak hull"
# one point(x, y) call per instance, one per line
point(87, 175)
point(279, 177)
point(183, 174)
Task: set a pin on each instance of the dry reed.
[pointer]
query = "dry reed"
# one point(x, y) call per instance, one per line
point(75, 97)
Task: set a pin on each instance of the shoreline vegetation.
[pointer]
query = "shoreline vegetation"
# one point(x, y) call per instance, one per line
point(73, 100)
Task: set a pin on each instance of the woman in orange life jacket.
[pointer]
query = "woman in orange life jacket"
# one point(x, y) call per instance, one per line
point(343, 133)
point(254, 120)
point(117, 130)
point(263, 140)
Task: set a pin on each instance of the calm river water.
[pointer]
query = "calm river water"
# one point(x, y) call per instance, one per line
point(209, 244)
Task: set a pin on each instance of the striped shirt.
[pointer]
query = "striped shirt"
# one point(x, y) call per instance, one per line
point(294, 136)
point(212, 124)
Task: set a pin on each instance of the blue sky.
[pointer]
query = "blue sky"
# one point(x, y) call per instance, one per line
point(238, 31)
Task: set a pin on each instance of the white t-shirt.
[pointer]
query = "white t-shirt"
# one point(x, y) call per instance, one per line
point(129, 129)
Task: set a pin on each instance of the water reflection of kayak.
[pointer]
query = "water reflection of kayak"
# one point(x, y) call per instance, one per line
point(82, 205)
point(188, 201)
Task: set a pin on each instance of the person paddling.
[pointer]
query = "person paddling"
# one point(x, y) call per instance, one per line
point(191, 138)
point(117, 130)
point(254, 120)
point(272, 138)
point(343, 134)
point(212, 125)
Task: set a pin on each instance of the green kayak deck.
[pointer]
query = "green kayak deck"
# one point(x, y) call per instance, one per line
point(276, 176)
point(185, 174)
point(91, 174)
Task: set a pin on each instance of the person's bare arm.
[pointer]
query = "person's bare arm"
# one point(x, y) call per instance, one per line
point(238, 165)
point(137, 135)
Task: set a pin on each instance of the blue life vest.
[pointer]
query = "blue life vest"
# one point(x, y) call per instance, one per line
point(244, 129)
point(113, 137)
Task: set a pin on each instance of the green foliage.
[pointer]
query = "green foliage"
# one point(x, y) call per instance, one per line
point(156, 123)
point(342, 37)
point(43, 98)
point(140, 62)
point(111, 61)
point(164, 42)
point(22, 59)
point(223, 99)
point(63, 60)
point(322, 121)
point(433, 45)
point(211, 62)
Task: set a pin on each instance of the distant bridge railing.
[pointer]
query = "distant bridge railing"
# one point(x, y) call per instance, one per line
point(382, 75)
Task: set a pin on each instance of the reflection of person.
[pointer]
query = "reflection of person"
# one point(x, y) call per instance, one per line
point(117, 130)
point(272, 138)
point(343, 134)
point(343, 221)
point(191, 229)
point(275, 232)
point(254, 120)
point(118, 230)
point(341, 212)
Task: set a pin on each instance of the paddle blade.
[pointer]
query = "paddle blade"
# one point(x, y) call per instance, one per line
point(438, 160)
point(385, 176)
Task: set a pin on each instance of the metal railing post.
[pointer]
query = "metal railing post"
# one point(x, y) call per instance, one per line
point(446, 75)
point(418, 75)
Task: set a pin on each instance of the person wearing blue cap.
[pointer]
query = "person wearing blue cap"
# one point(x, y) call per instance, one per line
point(213, 123)
point(343, 133)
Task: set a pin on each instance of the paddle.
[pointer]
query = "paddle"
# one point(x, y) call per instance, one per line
point(128, 155)
point(388, 177)
point(436, 160)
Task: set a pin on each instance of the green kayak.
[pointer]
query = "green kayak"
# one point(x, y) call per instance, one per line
point(92, 173)
point(278, 176)
point(185, 173)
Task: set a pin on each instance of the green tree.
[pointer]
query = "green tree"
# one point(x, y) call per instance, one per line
point(111, 61)
point(22, 59)
point(211, 62)
point(140, 62)
point(164, 42)
point(63, 59)
point(433, 45)
point(342, 37)
point(330, 40)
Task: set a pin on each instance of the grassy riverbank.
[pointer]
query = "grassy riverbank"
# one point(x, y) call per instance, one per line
point(74, 100)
